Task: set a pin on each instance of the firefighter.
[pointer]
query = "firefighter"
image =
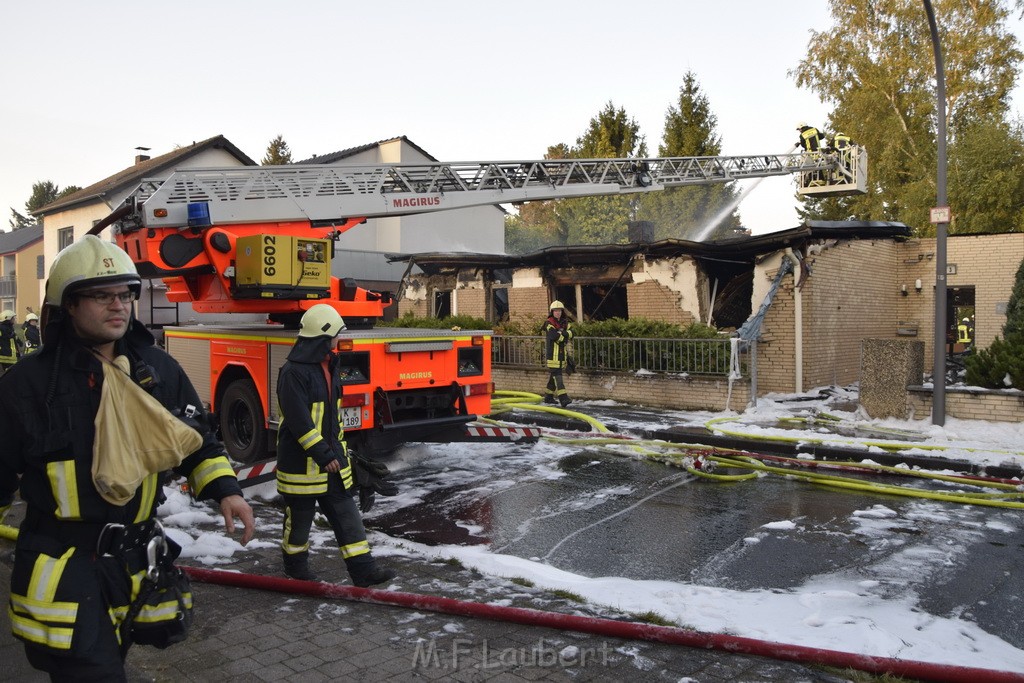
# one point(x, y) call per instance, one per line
point(31, 331)
point(313, 463)
point(557, 331)
point(964, 332)
point(79, 558)
point(811, 139)
point(9, 346)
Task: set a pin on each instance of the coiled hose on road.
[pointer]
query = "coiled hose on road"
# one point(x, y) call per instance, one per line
point(701, 460)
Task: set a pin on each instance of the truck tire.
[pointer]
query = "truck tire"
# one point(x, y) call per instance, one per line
point(243, 426)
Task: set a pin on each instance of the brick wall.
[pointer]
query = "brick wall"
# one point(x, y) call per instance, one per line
point(986, 262)
point(472, 302)
point(970, 404)
point(776, 348)
point(528, 306)
point(655, 301)
point(418, 308)
point(849, 297)
point(662, 391)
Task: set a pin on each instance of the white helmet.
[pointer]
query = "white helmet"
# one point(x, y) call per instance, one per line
point(321, 321)
point(30, 317)
point(6, 314)
point(90, 262)
point(800, 125)
point(556, 304)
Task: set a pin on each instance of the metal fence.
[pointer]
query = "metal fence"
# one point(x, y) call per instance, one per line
point(697, 356)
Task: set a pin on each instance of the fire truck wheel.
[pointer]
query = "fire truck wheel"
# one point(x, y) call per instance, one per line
point(242, 423)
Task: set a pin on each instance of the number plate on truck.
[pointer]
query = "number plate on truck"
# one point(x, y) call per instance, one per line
point(352, 418)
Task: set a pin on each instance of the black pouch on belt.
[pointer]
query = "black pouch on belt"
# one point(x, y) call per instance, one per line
point(161, 614)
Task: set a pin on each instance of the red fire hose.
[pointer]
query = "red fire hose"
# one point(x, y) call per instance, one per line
point(609, 627)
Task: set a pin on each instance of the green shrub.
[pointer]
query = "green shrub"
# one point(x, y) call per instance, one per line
point(465, 322)
point(990, 367)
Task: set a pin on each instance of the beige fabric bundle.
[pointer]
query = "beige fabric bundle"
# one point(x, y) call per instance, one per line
point(135, 436)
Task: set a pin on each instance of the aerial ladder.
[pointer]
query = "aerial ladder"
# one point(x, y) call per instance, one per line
point(259, 240)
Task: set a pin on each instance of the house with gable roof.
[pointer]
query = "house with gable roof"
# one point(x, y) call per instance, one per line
point(21, 254)
point(69, 218)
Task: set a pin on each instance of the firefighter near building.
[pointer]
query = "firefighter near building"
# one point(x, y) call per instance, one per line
point(261, 240)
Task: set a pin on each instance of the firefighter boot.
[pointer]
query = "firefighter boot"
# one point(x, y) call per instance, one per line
point(549, 399)
point(564, 400)
point(297, 566)
point(365, 572)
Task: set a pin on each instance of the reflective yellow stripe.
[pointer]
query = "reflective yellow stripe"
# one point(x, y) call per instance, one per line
point(46, 573)
point(61, 612)
point(302, 484)
point(65, 488)
point(58, 638)
point(346, 475)
point(354, 549)
point(148, 489)
point(314, 435)
point(207, 471)
point(285, 546)
point(163, 611)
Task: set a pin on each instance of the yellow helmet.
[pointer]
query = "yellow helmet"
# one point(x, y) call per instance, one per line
point(321, 321)
point(556, 304)
point(6, 314)
point(90, 262)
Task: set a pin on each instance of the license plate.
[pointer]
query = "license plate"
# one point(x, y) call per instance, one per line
point(352, 418)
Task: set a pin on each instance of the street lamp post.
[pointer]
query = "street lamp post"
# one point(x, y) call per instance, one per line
point(940, 217)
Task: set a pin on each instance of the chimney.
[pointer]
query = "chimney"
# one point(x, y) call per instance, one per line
point(139, 158)
point(640, 232)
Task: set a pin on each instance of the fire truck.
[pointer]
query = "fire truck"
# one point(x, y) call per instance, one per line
point(260, 240)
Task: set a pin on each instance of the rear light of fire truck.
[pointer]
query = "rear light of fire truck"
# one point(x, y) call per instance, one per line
point(479, 389)
point(353, 400)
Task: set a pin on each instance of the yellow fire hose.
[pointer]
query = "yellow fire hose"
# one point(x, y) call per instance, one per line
point(681, 454)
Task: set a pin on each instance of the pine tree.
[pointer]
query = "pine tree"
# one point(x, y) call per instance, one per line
point(1001, 365)
point(687, 212)
point(43, 192)
point(277, 153)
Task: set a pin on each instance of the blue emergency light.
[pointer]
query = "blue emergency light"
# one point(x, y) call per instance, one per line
point(199, 215)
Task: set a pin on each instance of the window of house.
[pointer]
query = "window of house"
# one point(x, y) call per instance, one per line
point(600, 301)
point(65, 236)
point(442, 303)
point(499, 304)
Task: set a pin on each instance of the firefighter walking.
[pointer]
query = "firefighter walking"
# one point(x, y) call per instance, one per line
point(557, 333)
point(82, 548)
point(313, 462)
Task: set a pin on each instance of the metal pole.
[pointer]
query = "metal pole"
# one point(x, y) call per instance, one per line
point(940, 216)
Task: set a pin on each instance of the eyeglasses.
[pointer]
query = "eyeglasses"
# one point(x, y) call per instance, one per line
point(107, 298)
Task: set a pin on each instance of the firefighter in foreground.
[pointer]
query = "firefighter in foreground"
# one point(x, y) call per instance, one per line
point(557, 332)
point(313, 463)
point(82, 547)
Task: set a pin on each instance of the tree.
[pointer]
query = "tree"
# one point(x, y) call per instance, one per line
point(602, 220)
point(277, 153)
point(43, 192)
point(876, 66)
point(1001, 365)
point(687, 212)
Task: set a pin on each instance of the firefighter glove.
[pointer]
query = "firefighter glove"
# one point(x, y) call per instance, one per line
point(371, 479)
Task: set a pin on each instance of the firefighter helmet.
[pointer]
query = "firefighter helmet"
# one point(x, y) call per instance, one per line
point(90, 262)
point(6, 314)
point(556, 304)
point(966, 320)
point(30, 317)
point(801, 125)
point(321, 321)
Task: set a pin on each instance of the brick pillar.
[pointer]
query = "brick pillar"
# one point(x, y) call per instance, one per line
point(888, 366)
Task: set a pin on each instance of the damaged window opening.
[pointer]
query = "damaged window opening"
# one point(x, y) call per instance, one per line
point(442, 303)
point(600, 301)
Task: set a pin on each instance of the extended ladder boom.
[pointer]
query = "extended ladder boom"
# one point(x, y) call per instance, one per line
point(336, 193)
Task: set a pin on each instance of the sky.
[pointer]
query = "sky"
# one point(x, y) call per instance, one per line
point(840, 610)
point(86, 83)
